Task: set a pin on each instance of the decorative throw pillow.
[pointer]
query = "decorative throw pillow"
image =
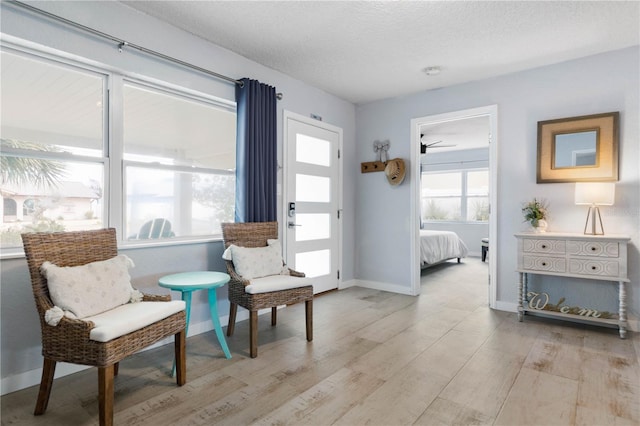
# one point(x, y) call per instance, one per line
point(90, 289)
point(255, 262)
point(284, 269)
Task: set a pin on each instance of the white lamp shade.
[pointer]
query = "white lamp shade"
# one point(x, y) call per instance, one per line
point(595, 193)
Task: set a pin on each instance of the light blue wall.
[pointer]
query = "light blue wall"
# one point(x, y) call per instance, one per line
point(20, 330)
point(596, 84)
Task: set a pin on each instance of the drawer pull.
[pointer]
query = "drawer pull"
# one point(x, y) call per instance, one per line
point(544, 246)
point(544, 263)
point(593, 268)
point(593, 249)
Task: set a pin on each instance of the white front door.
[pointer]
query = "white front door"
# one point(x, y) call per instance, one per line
point(312, 199)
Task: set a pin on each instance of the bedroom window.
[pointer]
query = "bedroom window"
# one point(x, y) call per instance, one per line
point(455, 196)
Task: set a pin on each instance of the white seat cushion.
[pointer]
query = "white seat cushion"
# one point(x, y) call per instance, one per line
point(275, 283)
point(130, 317)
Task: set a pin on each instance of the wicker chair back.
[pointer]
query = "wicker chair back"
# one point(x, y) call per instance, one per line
point(69, 341)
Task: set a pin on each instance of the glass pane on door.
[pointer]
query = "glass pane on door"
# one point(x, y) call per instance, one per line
point(313, 226)
point(313, 150)
point(313, 188)
point(314, 263)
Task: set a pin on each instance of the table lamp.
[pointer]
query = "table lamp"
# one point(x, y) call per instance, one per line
point(595, 194)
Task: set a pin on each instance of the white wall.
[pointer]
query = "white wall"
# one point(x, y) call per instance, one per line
point(601, 83)
point(20, 330)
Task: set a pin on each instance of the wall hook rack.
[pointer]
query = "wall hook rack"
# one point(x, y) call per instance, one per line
point(372, 166)
point(381, 148)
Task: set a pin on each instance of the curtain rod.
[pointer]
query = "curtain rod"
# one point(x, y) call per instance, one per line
point(122, 44)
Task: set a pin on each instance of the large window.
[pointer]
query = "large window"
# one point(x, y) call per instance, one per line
point(458, 196)
point(53, 147)
point(179, 164)
point(152, 161)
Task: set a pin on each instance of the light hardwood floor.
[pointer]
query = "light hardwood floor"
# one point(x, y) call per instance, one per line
point(377, 358)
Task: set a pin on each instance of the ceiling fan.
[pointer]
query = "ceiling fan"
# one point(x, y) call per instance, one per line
point(436, 144)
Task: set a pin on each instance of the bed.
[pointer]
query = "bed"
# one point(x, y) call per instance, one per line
point(438, 246)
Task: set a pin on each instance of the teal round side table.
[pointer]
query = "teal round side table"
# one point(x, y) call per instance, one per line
point(188, 282)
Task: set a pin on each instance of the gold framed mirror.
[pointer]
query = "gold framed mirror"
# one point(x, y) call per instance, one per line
point(578, 149)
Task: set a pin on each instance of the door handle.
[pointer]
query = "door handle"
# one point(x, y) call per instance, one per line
point(291, 224)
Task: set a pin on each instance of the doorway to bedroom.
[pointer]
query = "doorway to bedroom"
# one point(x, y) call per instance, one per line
point(454, 189)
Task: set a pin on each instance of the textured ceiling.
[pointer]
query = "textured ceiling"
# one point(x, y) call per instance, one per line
point(365, 51)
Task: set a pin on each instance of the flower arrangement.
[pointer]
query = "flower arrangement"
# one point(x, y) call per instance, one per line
point(535, 211)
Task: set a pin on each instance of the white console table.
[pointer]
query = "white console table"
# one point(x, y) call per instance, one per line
point(594, 257)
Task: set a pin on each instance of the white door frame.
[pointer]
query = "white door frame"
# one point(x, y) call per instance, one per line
point(491, 111)
point(285, 152)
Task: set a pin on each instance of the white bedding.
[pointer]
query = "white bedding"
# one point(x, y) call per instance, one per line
point(436, 246)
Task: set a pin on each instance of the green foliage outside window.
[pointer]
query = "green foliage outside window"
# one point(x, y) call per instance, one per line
point(480, 210)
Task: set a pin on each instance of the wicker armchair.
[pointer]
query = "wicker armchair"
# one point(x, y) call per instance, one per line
point(256, 235)
point(69, 341)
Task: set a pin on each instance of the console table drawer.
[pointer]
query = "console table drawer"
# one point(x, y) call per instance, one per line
point(530, 245)
point(604, 268)
point(546, 264)
point(593, 248)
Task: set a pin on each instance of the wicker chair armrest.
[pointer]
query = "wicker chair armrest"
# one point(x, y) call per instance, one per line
point(75, 326)
point(156, 297)
point(238, 278)
point(295, 273)
point(234, 275)
point(43, 303)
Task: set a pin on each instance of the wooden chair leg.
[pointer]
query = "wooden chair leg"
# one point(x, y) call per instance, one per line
point(181, 357)
point(233, 309)
point(274, 315)
point(308, 310)
point(48, 370)
point(105, 395)
point(253, 332)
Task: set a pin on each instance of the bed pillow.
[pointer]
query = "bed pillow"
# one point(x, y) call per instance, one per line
point(90, 289)
point(256, 262)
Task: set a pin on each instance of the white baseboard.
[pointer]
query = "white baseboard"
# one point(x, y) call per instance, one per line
point(32, 377)
point(506, 306)
point(346, 284)
point(376, 285)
